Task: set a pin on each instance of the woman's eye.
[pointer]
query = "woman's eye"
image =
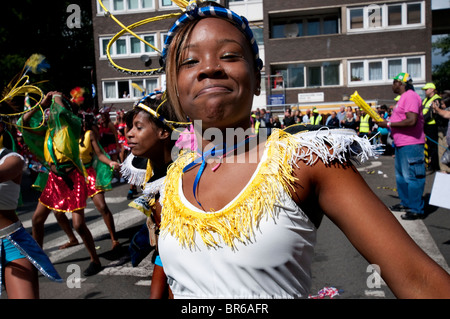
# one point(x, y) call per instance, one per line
point(231, 55)
point(188, 62)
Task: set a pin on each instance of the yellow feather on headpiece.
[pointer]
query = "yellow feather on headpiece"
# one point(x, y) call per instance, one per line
point(37, 64)
point(19, 85)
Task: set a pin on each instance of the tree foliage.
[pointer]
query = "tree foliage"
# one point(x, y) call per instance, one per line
point(441, 72)
point(30, 26)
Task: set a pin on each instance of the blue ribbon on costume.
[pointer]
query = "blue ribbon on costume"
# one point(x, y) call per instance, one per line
point(205, 156)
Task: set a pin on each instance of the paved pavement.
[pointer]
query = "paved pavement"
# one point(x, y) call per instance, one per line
point(336, 263)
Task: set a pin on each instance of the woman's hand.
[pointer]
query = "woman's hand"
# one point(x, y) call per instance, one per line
point(114, 165)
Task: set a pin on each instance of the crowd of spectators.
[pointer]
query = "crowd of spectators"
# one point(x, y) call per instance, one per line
point(346, 117)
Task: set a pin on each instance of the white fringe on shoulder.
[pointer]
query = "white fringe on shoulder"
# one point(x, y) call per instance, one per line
point(133, 175)
point(333, 144)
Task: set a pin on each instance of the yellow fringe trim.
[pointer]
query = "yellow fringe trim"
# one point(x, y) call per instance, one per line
point(239, 220)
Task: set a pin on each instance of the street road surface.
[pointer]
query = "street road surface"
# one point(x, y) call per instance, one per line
point(336, 264)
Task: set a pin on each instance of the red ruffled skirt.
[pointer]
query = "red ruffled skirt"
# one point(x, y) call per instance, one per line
point(91, 190)
point(59, 197)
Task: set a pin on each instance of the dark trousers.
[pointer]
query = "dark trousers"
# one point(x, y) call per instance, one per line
point(431, 147)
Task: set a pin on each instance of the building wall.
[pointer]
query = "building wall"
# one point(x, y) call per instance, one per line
point(343, 47)
point(105, 27)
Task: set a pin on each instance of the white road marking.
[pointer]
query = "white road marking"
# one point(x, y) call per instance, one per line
point(375, 293)
point(122, 220)
point(372, 165)
point(420, 234)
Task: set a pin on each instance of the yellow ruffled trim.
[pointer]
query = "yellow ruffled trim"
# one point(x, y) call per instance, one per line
point(62, 210)
point(238, 221)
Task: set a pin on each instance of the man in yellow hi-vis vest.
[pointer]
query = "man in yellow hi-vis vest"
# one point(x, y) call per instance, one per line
point(430, 127)
point(316, 118)
point(365, 124)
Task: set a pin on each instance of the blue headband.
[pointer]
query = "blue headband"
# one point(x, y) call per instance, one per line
point(194, 12)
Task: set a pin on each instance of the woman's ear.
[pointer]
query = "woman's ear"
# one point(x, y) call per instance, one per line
point(163, 133)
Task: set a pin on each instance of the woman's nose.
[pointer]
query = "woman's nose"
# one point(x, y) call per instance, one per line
point(211, 69)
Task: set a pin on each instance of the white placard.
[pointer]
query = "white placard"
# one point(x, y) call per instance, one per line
point(311, 97)
point(440, 193)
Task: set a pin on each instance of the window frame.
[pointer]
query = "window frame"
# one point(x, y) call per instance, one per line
point(284, 69)
point(384, 26)
point(304, 20)
point(131, 90)
point(385, 70)
point(127, 38)
point(109, 5)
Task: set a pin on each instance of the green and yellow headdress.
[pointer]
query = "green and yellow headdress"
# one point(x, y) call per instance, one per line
point(19, 85)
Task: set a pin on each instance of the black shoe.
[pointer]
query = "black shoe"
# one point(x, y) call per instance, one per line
point(130, 195)
point(411, 216)
point(93, 269)
point(398, 208)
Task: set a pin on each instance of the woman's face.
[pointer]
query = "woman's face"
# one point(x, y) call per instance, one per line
point(216, 76)
point(143, 136)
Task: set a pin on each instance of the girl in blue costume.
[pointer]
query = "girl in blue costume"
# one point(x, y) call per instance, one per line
point(244, 225)
point(19, 252)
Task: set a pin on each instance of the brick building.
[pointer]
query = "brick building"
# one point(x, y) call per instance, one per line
point(316, 52)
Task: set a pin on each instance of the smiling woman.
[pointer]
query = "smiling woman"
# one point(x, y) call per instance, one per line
point(245, 227)
point(215, 83)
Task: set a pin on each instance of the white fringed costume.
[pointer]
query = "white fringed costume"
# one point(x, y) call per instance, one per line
point(261, 244)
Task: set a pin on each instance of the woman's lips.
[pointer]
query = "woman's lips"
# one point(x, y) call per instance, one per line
point(213, 90)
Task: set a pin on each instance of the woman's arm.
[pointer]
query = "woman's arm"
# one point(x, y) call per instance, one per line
point(11, 169)
point(101, 156)
point(441, 112)
point(348, 201)
point(411, 120)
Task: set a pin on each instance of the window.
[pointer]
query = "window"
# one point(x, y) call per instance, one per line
point(394, 15)
point(375, 71)
point(150, 39)
point(331, 74)
point(384, 70)
point(299, 26)
point(258, 34)
point(356, 18)
point(166, 3)
point(133, 4)
point(413, 67)
point(413, 13)
point(128, 45)
point(394, 67)
point(121, 46)
point(385, 16)
point(103, 45)
point(356, 71)
point(123, 89)
point(301, 75)
point(314, 76)
point(330, 26)
point(123, 6)
point(313, 27)
point(135, 45)
point(118, 5)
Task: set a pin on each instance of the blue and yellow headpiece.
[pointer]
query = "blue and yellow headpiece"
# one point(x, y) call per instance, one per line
point(194, 12)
